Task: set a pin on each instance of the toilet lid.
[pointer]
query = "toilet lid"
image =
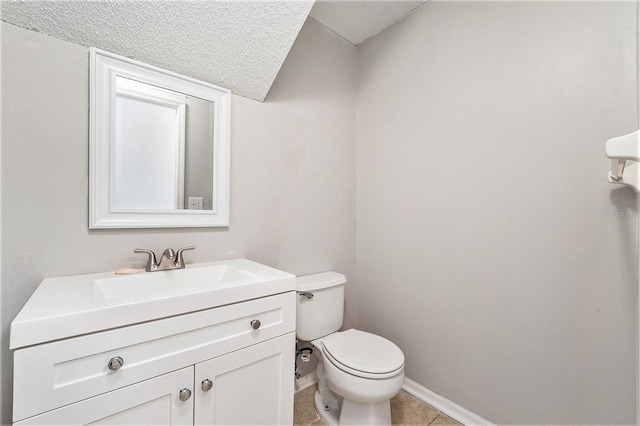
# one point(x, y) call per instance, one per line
point(365, 352)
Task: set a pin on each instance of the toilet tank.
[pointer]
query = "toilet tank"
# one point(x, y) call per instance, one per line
point(320, 304)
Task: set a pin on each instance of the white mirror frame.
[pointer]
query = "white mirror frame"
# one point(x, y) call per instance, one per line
point(105, 67)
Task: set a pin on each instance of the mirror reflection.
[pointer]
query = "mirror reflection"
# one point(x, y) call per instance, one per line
point(163, 148)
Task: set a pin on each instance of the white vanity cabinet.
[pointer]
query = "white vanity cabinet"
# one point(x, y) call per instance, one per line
point(252, 386)
point(152, 402)
point(231, 364)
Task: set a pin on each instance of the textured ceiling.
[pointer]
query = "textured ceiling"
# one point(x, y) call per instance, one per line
point(239, 45)
point(358, 21)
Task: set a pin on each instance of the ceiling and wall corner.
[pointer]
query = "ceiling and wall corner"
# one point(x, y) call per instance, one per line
point(237, 45)
point(358, 21)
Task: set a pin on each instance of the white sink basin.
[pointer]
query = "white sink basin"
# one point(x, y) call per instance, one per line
point(70, 306)
point(166, 283)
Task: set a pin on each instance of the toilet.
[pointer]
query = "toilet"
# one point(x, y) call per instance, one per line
point(358, 372)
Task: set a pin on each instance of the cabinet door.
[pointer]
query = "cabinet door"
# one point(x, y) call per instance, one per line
point(251, 386)
point(152, 402)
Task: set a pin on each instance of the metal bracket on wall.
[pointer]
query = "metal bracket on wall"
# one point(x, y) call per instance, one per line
point(624, 152)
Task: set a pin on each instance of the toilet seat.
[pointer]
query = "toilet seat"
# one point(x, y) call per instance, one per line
point(363, 354)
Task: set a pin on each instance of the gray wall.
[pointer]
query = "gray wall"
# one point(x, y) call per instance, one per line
point(292, 173)
point(489, 246)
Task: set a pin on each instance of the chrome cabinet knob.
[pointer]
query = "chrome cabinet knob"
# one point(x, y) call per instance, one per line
point(255, 324)
point(207, 385)
point(115, 363)
point(184, 394)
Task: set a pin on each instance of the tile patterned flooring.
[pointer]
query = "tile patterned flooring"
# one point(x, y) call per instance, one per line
point(405, 410)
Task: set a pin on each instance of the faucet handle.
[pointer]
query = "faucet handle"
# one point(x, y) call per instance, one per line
point(152, 263)
point(179, 258)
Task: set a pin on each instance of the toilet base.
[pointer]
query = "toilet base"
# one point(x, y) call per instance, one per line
point(354, 412)
point(328, 415)
point(365, 413)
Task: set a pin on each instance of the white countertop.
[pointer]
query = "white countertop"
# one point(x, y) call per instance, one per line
point(70, 306)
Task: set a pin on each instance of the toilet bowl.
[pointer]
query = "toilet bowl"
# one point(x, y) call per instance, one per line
point(358, 372)
point(362, 366)
point(366, 371)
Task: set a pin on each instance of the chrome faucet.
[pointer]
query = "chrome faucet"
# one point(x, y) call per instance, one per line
point(169, 260)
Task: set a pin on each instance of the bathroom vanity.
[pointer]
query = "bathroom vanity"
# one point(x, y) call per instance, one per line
point(210, 344)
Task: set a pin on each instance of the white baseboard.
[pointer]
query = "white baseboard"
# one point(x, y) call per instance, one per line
point(442, 404)
point(425, 395)
point(306, 381)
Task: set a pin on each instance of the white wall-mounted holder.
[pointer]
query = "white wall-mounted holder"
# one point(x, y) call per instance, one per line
point(624, 152)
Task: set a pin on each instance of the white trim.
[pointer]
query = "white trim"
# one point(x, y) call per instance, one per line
point(306, 381)
point(443, 405)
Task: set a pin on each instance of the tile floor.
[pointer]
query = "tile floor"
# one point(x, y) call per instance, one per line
point(405, 410)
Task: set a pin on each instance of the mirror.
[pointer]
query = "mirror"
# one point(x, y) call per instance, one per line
point(159, 147)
